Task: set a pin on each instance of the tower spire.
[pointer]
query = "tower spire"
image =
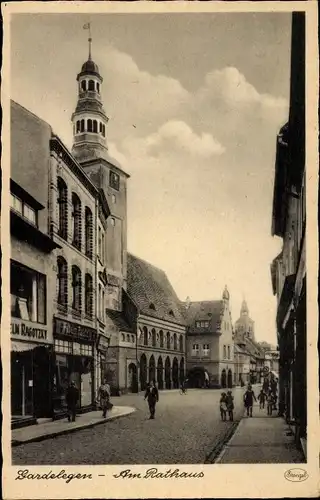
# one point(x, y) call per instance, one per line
point(87, 26)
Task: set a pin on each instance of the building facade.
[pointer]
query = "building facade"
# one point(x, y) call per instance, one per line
point(32, 277)
point(210, 347)
point(288, 270)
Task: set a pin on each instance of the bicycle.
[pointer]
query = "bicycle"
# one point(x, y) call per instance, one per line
point(183, 390)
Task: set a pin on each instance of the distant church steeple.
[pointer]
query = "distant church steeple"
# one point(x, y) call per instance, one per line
point(89, 118)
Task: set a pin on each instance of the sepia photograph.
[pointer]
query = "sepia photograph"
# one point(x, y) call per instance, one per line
point(157, 219)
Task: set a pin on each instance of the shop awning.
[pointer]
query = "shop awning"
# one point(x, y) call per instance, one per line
point(22, 346)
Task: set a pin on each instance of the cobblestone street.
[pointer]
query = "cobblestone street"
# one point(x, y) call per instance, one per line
point(186, 430)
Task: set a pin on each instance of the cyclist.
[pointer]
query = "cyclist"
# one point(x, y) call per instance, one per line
point(183, 388)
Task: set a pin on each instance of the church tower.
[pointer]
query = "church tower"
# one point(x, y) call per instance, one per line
point(244, 326)
point(90, 148)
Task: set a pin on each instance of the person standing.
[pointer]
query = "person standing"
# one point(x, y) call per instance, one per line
point(72, 397)
point(104, 396)
point(223, 406)
point(230, 405)
point(152, 395)
point(270, 402)
point(262, 399)
point(248, 398)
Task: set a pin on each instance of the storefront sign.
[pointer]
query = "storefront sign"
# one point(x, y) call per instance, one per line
point(103, 343)
point(27, 330)
point(73, 331)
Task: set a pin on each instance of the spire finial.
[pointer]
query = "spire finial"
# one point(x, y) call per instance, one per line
point(87, 26)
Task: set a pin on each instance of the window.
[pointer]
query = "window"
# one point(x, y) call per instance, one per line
point(132, 338)
point(76, 289)
point(99, 301)
point(63, 208)
point(99, 242)
point(206, 349)
point(100, 127)
point(181, 343)
point(28, 293)
point(88, 295)
point(152, 306)
point(154, 337)
point(98, 87)
point(95, 126)
point(113, 198)
point(84, 85)
point(229, 357)
point(23, 209)
point(114, 180)
point(78, 126)
point(91, 85)
point(168, 341)
point(85, 350)
point(88, 232)
point(128, 338)
point(63, 346)
point(62, 282)
point(82, 126)
point(171, 312)
point(145, 335)
point(161, 338)
point(123, 338)
point(195, 349)
point(224, 352)
point(89, 125)
point(76, 221)
point(102, 248)
point(175, 343)
point(103, 130)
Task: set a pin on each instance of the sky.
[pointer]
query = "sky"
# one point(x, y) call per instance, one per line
point(195, 102)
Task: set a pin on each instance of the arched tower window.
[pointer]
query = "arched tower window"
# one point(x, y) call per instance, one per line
point(89, 125)
point(76, 221)
point(78, 127)
point(62, 278)
point(95, 126)
point(63, 208)
point(91, 85)
point(76, 289)
point(82, 126)
point(103, 130)
point(181, 343)
point(145, 335)
point(100, 127)
point(84, 85)
point(161, 338)
point(168, 340)
point(88, 232)
point(88, 295)
point(98, 87)
point(175, 343)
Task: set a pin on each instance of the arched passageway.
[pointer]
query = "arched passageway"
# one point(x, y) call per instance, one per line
point(175, 373)
point(160, 373)
point(230, 379)
point(152, 369)
point(167, 373)
point(223, 379)
point(132, 378)
point(196, 377)
point(143, 372)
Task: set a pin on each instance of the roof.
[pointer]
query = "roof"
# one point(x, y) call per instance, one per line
point(119, 321)
point(208, 310)
point(90, 66)
point(148, 285)
point(253, 348)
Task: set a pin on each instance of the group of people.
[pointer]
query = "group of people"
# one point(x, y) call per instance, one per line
point(72, 398)
point(268, 394)
point(226, 406)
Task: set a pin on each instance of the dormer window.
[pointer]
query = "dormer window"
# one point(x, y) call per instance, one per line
point(171, 312)
point(152, 306)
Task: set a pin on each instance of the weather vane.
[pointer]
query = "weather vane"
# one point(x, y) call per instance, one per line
point(87, 26)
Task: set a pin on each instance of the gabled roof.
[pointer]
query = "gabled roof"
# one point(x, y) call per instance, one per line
point(208, 310)
point(254, 349)
point(149, 286)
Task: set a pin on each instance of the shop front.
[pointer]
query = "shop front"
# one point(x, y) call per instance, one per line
point(102, 351)
point(74, 347)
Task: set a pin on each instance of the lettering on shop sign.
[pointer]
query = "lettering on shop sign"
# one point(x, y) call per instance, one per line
point(154, 473)
point(28, 331)
point(73, 331)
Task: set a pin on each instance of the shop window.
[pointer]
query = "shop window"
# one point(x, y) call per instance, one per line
point(76, 289)
point(85, 350)
point(63, 346)
point(175, 343)
point(145, 335)
point(28, 293)
point(88, 295)
point(168, 340)
point(91, 85)
point(88, 232)
point(114, 180)
point(161, 338)
point(62, 278)
point(181, 343)
point(63, 208)
point(76, 221)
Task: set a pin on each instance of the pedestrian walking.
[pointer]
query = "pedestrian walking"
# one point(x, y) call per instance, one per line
point(152, 395)
point(265, 386)
point(248, 398)
point(262, 399)
point(270, 402)
point(72, 397)
point(230, 405)
point(223, 406)
point(104, 397)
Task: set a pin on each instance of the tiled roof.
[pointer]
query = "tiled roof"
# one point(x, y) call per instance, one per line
point(119, 321)
point(149, 285)
point(253, 348)
point(207, 310)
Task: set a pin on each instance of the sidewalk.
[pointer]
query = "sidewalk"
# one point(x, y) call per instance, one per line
point(51, 429)
point(262, 440)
